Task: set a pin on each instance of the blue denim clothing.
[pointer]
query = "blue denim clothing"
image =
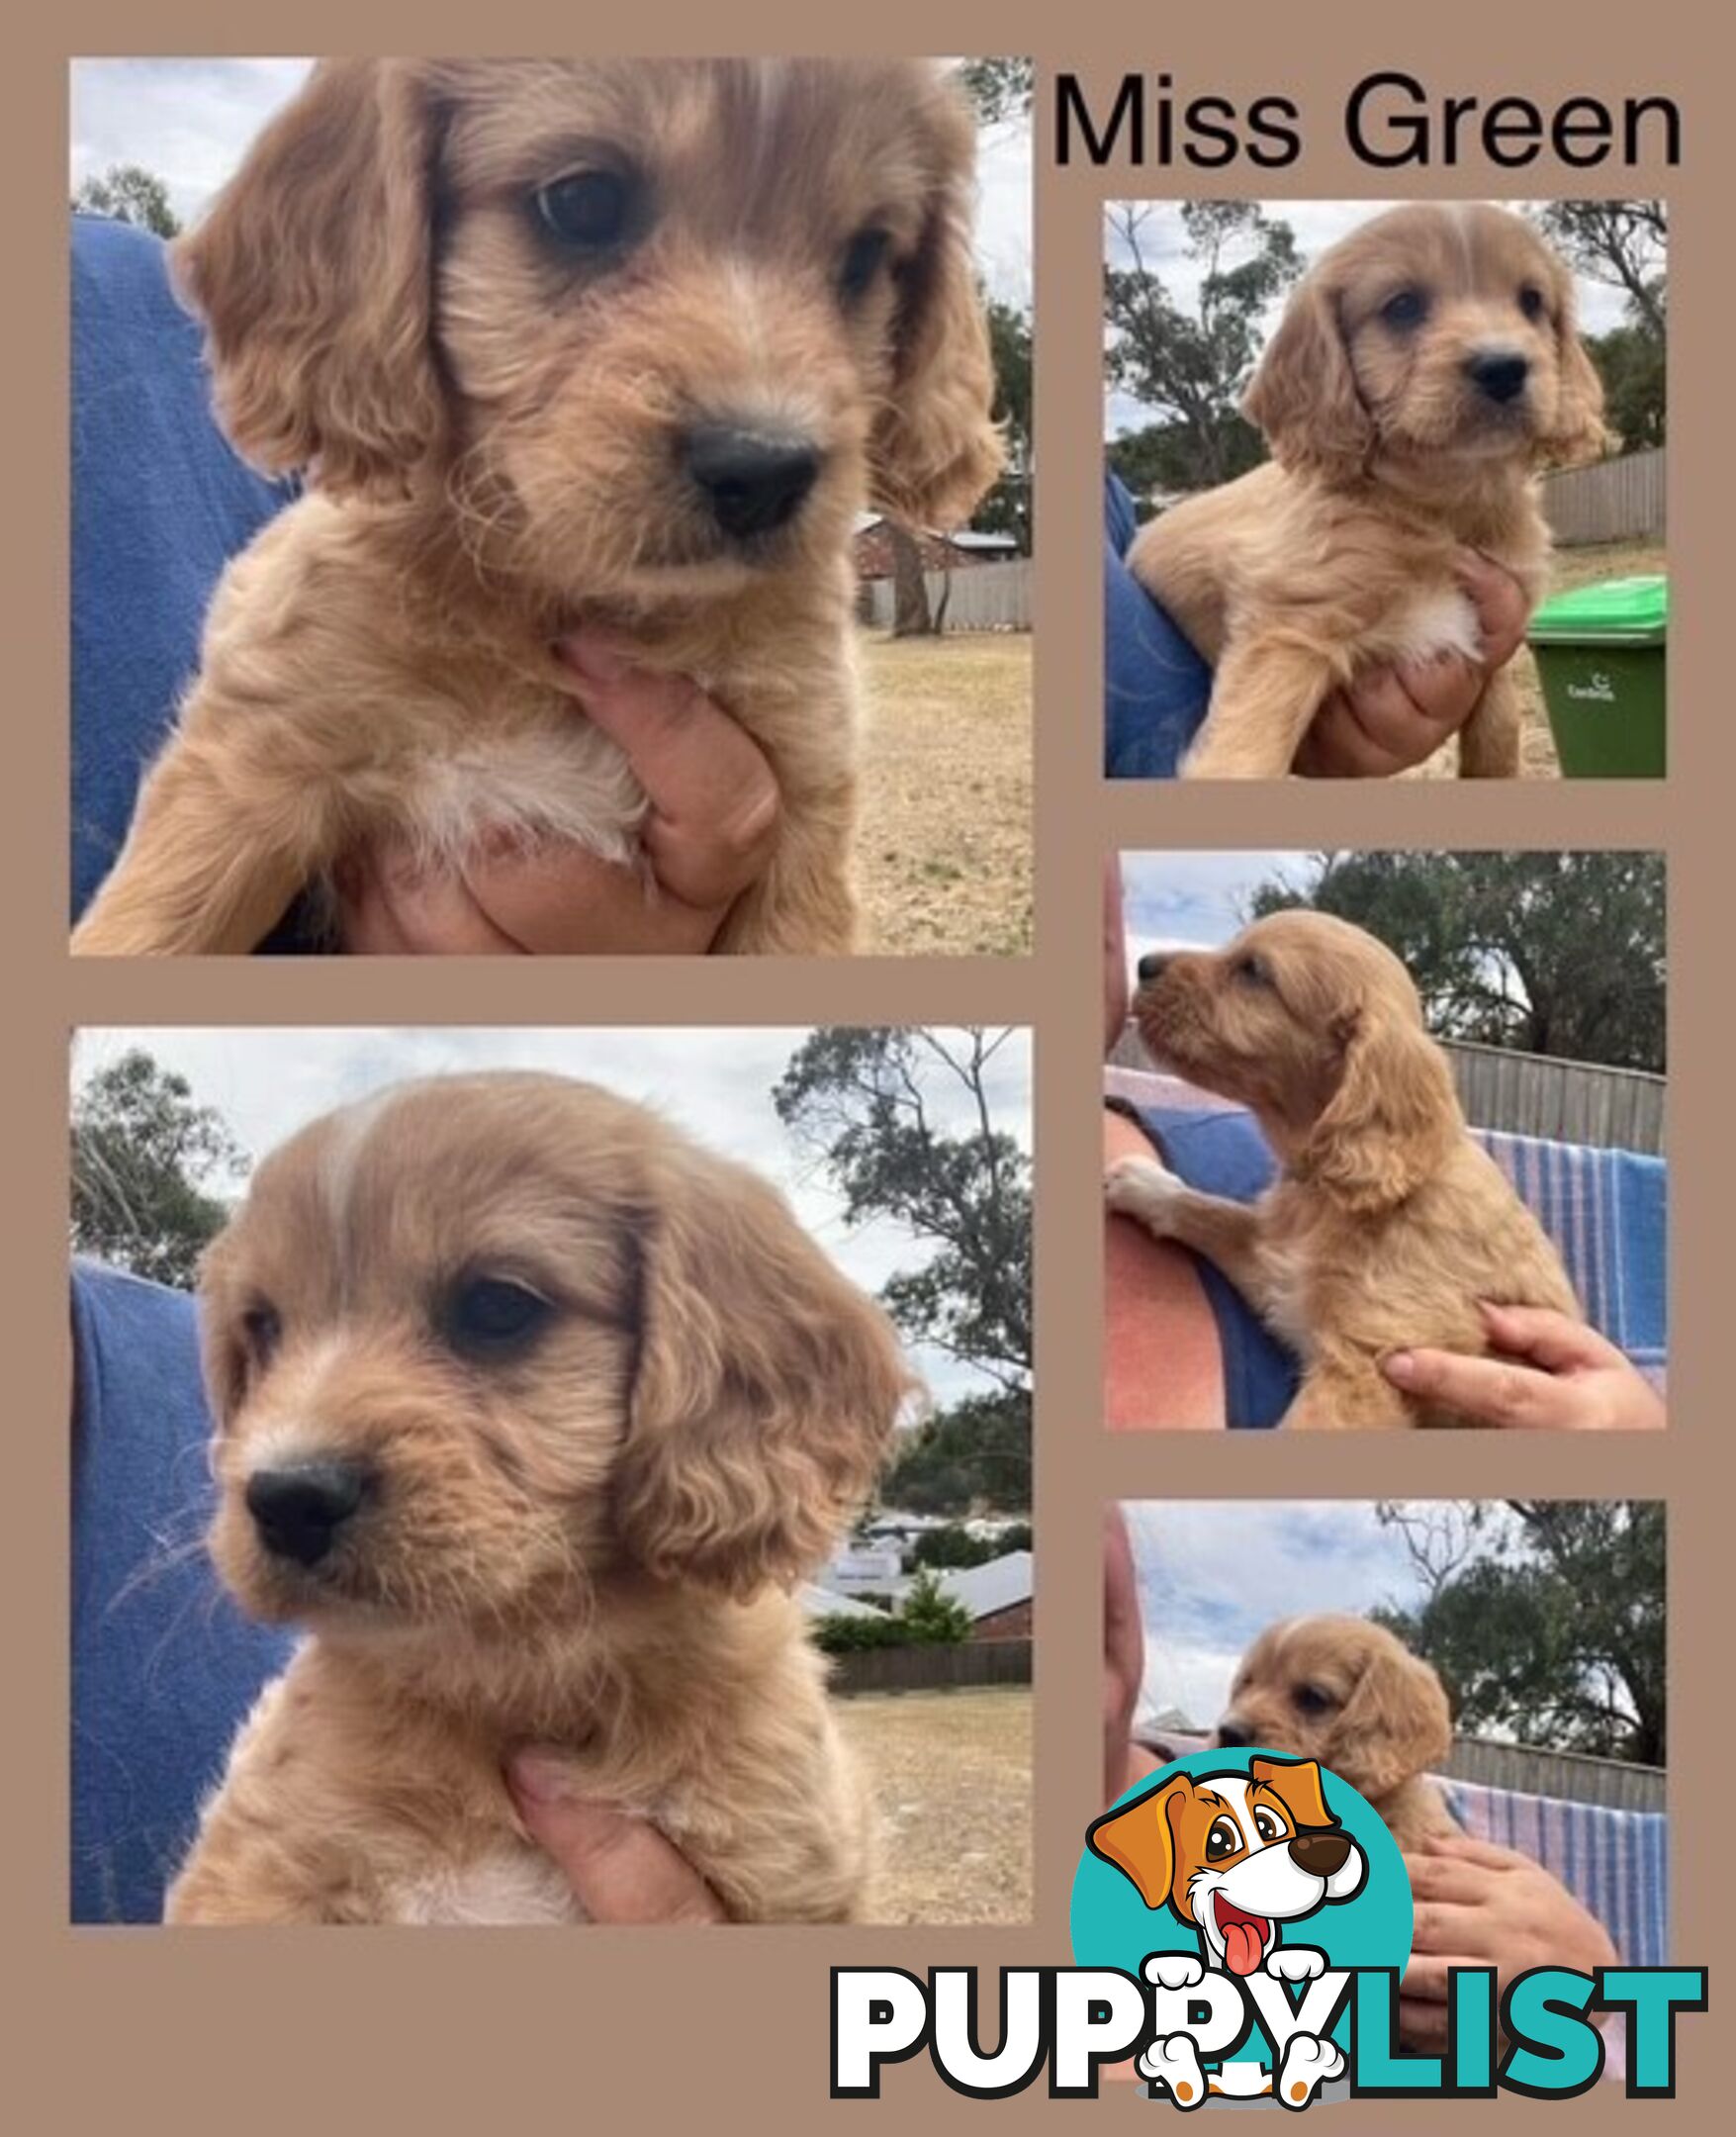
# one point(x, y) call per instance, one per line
point(1155, 686)
point(163, 1665)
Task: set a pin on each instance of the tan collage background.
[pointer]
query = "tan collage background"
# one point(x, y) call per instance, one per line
point(281, 2031)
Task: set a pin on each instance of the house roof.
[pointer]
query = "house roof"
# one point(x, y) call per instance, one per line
point(817, 1601)
point(960, 538)
point(996, 1586)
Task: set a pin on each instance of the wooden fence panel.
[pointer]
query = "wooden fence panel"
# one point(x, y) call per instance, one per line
point(1567, 1776)
point(1615, 501)
point(984, 598)
point(1566, 1102)
point(933, 1669)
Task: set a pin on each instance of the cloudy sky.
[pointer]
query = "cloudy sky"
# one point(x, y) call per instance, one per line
point(189, 120)
point(1316, 225)
point(1195, 901)
point(1215, 1573)
point(714, 1083)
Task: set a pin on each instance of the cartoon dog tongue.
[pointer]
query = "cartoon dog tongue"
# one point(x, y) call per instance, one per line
point(1244, 1935)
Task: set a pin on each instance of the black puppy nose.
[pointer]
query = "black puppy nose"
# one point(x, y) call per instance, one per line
point(1501, 377)
point(298, 1511)
point(1320, 1853)
point(755, 480)
point(1233, 1734)
point(1153, 965)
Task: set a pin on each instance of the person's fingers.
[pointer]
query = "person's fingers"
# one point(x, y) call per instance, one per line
point(1442, 692)
point(714, 803)
point(410, 912)
point(563, 900)
point(621, 1869)
point(1542, 1337)
point(1426, 1977)
point(1449, 1879)
point(1466, 1848)
point(1443, 1928)
point(1422, 2025)
point(1490, 1390)
point(1501, 605)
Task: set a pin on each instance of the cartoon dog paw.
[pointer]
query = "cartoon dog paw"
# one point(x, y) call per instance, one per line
point(1141, 1189)
point(1309, 2062)
point(1173, 1970)
point(1296, 1963)
point(1174, 2063)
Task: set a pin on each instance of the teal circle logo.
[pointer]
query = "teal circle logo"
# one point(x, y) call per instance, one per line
point(1253, 1865)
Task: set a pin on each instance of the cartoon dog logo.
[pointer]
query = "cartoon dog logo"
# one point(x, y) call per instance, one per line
point(1236, 1856)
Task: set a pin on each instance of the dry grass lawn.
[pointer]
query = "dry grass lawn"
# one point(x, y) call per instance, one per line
point(951, 1774)
point(944, 855)
point(1571, 568)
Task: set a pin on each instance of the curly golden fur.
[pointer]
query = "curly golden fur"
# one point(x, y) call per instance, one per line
point(577, 1528)
point(1387, 1223)
point(499, 420)
point(1348, 1694)
point(1424, 369)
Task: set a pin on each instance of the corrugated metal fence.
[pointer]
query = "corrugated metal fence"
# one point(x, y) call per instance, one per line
point(1567, 1776)
point(1615, 501)
point(984, 598)
point(1568, 1101)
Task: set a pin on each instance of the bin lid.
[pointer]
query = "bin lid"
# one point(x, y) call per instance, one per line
point(1613, 612)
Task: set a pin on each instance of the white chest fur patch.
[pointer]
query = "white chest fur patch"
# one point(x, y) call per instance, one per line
point(515, 1888)
point(569, 783)
point(1428, 625)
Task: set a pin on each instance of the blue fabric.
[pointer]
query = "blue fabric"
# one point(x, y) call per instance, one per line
point(1607, 1212)
point(160, 505)
point(1616, 1863)
point(1155, 686)
point(163, 1665)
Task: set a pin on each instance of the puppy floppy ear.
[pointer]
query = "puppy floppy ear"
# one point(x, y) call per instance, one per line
point(1303, 395)
point(936, 450)
point(313, 273)
point(765, 1391)
point(1137, 1840)
point(1297, 1784)
point(1394, 1118)
point(1576, 432)
point(1395, 1723)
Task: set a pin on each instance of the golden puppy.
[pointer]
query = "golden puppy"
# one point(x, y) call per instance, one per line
point(1386, 1224)
point(1347, 1694)
point(530, 1412)
point(1425, 368)
point(614, 340)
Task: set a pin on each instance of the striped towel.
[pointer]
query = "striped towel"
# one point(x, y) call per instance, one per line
point(1605, 1210)
point(1616, 1863)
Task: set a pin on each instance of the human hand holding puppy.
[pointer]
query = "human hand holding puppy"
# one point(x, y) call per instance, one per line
point(714, 811)
point(622, 1871)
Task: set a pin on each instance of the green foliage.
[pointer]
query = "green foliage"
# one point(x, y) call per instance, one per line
point(844, 1633)
point(971, 1458)
point(1549, 953)
point(144, 1162)
point(129, 193)
point(1190, 368)
point(1162, 457)
point(931, 1617)
point(1550, 1631)
point(1625, 245)
point(955, 1546)
point(1631, 362)
point(1001, 89)
point(1007, 508)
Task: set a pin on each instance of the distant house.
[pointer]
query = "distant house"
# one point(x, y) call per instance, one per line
point(997, 1595)
point(940, 552)
point(818, 1601)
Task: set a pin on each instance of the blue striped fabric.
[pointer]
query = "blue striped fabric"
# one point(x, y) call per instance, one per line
point(1616, 1863)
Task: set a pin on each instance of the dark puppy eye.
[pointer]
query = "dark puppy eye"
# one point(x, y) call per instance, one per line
point(588, 211)
point(1254, 969)
point(1407, 308)
point(262, 1331)
point(493, 1315)
point(864, 257)
point(1311, 1700)
point(1532, 303)
point(1224, 1838)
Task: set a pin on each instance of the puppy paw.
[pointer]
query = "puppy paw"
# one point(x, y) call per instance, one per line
point(1141, 1189)
point(1174, 2063)
point(1296, 1963)
point(1173, 1970)
point(1308, 2063)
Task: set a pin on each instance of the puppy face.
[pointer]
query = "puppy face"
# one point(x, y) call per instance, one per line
point(479, 1344)
point(1342, 1692)
point(1316, 1026)
point(657, 325)
point(1235, 1855)
point(1436, 338)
